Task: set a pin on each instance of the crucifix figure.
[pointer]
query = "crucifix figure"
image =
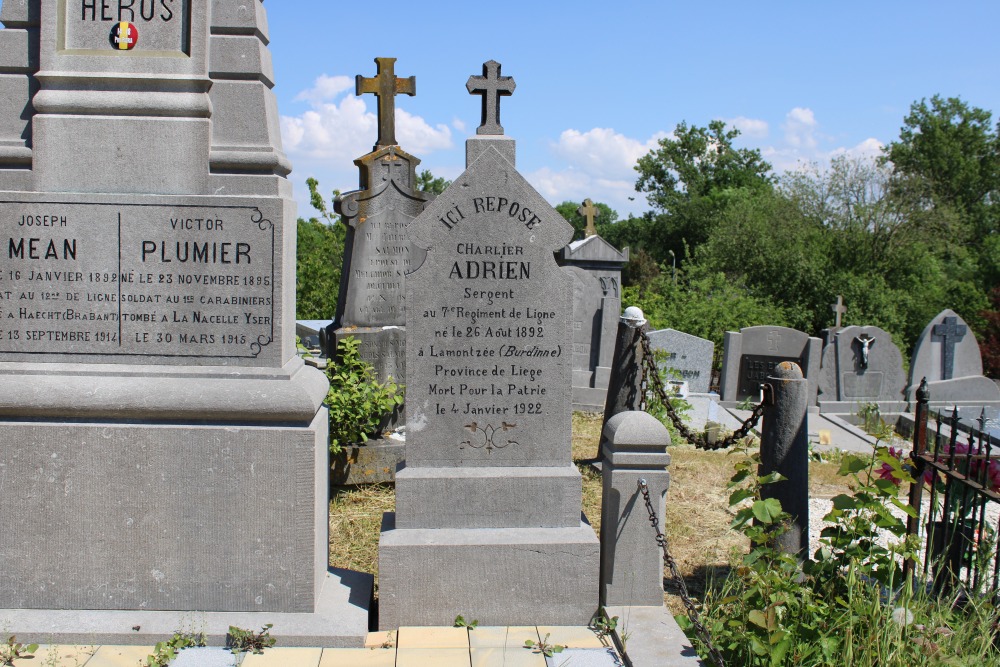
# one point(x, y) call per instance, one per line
point(588, 210)
point(839, 309)
point(948, 332)
point(385, 85)
point(865, 342)
point(492, 87)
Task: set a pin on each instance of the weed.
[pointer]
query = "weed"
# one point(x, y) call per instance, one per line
point(603, 626)
point(460, 622)
point(248, 641)
point(357, 401)
point(164, 652)
point(12, 650)
point(543, 646)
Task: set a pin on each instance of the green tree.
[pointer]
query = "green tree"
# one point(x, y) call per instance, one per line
point(604, 217)
point(427, 183)
point(319, 257)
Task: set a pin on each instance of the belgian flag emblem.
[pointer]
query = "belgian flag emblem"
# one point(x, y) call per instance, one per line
point(124, 36)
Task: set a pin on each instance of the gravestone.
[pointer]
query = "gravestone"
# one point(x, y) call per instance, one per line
point(861, 365)
point(839, 309)
point(947, 354)
point(751, 355)
point(155, 420)
point(487, 516)
point(377, 254)
point(689, 358)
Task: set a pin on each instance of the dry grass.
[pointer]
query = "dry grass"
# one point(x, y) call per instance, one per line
point(697, 517)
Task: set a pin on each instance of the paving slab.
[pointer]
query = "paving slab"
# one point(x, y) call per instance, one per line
point(433, 637)
point(284, 657)
point(358, 657)
point(433, 657)
point(653, 638)
point(570, 636)
point(206, 657)
point(586, 657)
point(120, 656)
point(59, 654)
point(506, 657)
point(502, 637)
point(381, 639)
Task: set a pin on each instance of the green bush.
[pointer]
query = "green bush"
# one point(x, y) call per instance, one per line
point(358, 402)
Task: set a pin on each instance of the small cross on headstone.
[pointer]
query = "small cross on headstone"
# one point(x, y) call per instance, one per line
point(588, 210)
point(385, 85)
point(949, 332)
point(492, 87)
point(839, 309)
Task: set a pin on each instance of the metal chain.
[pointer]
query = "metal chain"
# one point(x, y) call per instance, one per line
point(651, 374)
point(668, 560)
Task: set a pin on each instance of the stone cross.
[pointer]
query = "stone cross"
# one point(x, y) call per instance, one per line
point(492, 87)
point(385, 85)
point(839, 309)
point(949, 332)
point(588, 210)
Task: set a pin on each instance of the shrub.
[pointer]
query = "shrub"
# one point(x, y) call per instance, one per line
point(358, 402)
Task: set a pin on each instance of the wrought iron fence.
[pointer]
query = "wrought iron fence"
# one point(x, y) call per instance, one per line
point(957, 463)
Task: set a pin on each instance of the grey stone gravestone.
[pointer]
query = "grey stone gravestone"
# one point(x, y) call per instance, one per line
point(689, 358)
point(947, 354)
point(596, 267)
point(861, 365)
point(155, 421)
point(377, 253)
point(487, 514)
point(751, 355)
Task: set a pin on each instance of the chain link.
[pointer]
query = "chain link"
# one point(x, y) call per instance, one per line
point(668, 560)
point(651, 375)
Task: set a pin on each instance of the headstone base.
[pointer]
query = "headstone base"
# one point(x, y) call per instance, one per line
point(375, 462)
point(340, 620)
point(972, 390)
point(589, 399)
point(499, 576)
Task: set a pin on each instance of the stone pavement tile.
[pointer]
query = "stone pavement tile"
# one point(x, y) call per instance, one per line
point(570, 636)
point(206, 657)
point(58, 654)
point(586, 657)
point(358, 657)
point(499, 637)
point(506, 657)
point(433, 657)
point(284, 657)
point(434, 637)
point(120, 656)
point(383, 639)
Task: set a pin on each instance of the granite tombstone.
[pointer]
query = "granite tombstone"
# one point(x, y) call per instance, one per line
point(155, 421)
point(861, 365)
point(688, 358)
point(487, 514)
point(948, 355)
point(751, 355)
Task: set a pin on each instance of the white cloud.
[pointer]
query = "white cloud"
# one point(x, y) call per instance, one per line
point(750, 127)
point(869, 148)
point(604, 152)
point(571, 184)
point(345, 130)
point(800, 128)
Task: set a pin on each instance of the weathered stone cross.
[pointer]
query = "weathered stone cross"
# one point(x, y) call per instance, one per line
point(492, 87)
point(950, 332)
point(385, 85)
point(588, 210)
point(839, 308)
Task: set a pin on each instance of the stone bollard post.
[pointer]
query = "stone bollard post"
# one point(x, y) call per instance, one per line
point(631, 560)
point(784, 448)
point(625, 383)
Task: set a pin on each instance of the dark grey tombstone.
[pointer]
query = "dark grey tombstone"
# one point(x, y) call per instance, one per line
point(488, 491)
point(688, 358)
point(948, 355)
point(596, 266)
point(751, 355)
point(861, 365)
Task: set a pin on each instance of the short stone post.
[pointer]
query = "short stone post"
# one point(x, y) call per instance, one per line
point(631, 561)
point(784, 448)
point(625, 383)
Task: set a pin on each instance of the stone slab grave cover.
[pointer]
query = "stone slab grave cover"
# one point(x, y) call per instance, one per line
point(861, 365)
point(948, 355)
point(488, 517)
point(162, 447)
point(751, 355)
point(689, 358)
point(596, 267)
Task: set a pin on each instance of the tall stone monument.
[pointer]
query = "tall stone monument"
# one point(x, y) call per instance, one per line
point(948, 355)
point(162, 447)
point(488, 520)
point(596, 268)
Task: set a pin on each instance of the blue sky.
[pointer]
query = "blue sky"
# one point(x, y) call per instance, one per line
point(599, 82)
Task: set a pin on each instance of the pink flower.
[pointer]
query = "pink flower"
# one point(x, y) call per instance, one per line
point(887, 471)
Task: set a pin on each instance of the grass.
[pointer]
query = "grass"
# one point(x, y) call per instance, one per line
point(697, 518)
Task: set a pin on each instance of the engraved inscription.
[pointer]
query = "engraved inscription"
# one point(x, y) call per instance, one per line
point(160, 26)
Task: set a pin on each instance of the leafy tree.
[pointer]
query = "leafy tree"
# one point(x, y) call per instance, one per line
point(427, 183)
point(991, 339)
point(319, 257)
point(604, 217)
